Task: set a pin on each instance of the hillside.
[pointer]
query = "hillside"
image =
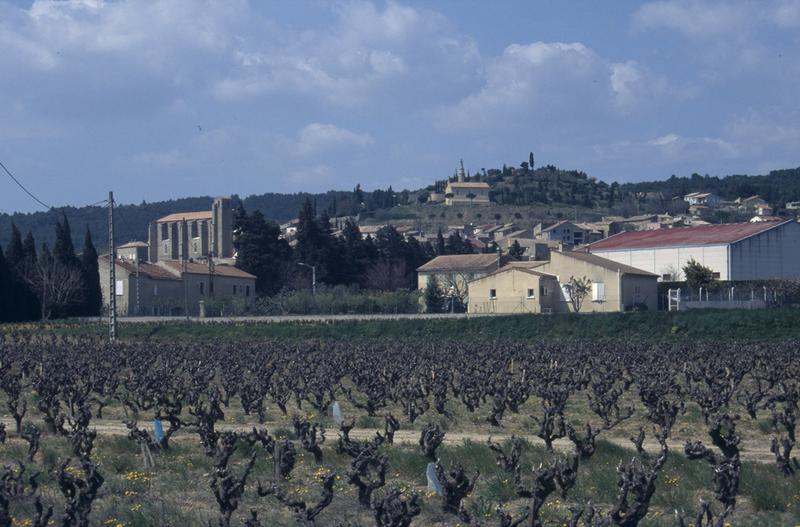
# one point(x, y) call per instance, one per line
point(520, 194)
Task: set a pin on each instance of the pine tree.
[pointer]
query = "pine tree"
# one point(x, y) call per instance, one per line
point(92, 296)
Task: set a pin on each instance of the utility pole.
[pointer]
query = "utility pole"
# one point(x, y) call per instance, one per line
point(313, 277)
point(112, 275)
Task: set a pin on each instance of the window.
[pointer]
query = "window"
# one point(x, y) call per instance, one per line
point(565, 292)
point(544, 291)
point(598, 292)
point(194, 229)
point(234, 289)
point(637, 291)
point(492, 293)
point(211, 287)
point(155, 290)
point(530, 293)
point(164, 231)
point(666, 277)
point(202, 288)
point(119, 290)
point(715, 276)
point(247, 291)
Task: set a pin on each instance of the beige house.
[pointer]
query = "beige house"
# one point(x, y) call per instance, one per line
point(516, 288)
point(614, 286)
point(172, 287)
point(454, 272)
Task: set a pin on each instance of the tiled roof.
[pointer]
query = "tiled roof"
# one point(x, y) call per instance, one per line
point(682, 237)
point(152, 271)
point(201, 268)
point(460, 262)
point(189, 216)
point(507, 268)
point(605, 262)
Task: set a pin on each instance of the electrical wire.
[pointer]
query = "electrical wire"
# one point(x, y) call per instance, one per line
point(28, 192)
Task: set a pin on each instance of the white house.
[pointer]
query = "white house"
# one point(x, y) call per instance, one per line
point(734, 251)
point(702, 198)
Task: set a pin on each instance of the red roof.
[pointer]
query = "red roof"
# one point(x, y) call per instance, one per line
point(683, 236)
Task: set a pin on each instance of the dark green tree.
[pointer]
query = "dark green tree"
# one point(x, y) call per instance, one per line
point(697, 275)
point(440, 246)
point(7, 293)
point(516, 251)
point(530, 161)
point(15, 253)
point(261, 251)
point(434, 298)
point(92, 295)
point(21, 258)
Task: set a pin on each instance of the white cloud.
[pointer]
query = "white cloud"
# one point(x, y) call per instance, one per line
point(316, 138)
point(669, 148)
point(367, 50)
point(694, 18)
point(552, 79)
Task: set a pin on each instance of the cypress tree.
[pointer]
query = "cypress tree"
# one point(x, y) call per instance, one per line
point(63, 249)
point(15, 254)
point(23, 304)
point(434, 299)
point(93, 297)
point(6, 289)
point(29, 250)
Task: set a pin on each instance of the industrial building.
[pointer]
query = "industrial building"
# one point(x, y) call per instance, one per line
point(733, 251)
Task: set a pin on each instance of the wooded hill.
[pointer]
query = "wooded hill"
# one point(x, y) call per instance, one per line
point(519, 186)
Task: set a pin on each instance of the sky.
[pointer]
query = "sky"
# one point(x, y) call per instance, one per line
point(167, 99)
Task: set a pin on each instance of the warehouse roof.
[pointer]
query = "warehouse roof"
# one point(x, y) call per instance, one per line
point(722, 234)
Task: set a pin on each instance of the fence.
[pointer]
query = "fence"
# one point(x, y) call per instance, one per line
point(507, 307)
point(729, 297)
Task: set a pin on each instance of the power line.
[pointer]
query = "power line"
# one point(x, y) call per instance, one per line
point(28, 192)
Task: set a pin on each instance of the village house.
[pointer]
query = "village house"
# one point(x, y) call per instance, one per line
point(188, 265)
point(539, 287)
point(454, 272)
point(614, 287)
point(520, 288)
point(172, 288)
point(706, 199)
point(733, 251)
point(563, 231)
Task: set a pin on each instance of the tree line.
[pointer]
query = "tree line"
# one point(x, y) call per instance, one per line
point(385, 261)
point(48, 283)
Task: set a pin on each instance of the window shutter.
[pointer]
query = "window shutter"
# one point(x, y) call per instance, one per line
point(598, 291)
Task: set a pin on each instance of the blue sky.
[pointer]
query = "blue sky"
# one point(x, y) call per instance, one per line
point(174, 98)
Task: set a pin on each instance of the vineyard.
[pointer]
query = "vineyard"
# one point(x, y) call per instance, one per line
point(393, 433)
